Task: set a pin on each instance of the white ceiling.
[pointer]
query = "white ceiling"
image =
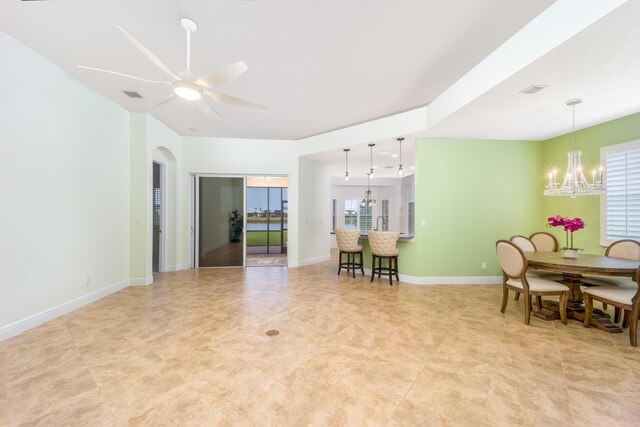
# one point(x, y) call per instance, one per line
point(318, 65)
point(325, 65)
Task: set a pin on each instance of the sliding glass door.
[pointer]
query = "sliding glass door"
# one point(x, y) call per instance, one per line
point(220, 221)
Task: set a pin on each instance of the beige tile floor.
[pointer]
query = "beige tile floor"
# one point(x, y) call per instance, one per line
point(192, 350)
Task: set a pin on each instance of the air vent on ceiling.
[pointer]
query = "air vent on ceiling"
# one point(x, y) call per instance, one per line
point(389, 167)
point(132, 94)
point(533, 89)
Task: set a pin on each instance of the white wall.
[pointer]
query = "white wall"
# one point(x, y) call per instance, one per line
point(315, 212)
point(64, 174)
point(239, 157)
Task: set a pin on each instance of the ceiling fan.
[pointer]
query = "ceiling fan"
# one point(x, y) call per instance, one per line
point(184, 84)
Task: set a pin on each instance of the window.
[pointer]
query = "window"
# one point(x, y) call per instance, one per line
point(620, 207)
point(385, 215)
point(351, 214)
point(334, 214)
point(365, 218)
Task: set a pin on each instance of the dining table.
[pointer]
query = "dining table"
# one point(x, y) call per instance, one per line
point(575, 272)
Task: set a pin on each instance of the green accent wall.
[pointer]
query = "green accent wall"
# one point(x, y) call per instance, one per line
point(589, 141)
point(471, 193)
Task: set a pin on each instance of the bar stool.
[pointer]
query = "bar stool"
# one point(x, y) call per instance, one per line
point(383, 246)
point(348, 244)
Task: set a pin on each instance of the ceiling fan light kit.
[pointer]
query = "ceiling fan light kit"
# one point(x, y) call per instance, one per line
point(184, 85)
point(187, 90)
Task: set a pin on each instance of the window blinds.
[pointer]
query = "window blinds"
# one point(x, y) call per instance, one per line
point(623, 195)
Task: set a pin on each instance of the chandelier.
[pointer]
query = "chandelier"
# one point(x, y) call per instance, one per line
point(368, 200)
point(346, 163)
point(574, 183)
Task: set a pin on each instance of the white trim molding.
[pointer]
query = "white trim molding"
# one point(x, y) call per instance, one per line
point(443, 280)
point(20, 326)
point(141, 281)
point(309, 261)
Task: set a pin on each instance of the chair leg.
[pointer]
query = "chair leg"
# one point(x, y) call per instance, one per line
point(397, 272)
point(361, 263)
point(563, 307)
point(390, 272)
point(527, 308)
point(505, 298)
point(353, 265)
point(373, 267)
point(517, 296)
point(625, 319)
point(633, 328)
point(588, 308)
point(604, 306)
point(339, 263)
point(616, 314)
point(539, 302)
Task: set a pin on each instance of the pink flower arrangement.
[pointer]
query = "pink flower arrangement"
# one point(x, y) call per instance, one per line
point(570, 225)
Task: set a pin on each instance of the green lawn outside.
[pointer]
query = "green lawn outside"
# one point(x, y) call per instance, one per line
point(259, 238)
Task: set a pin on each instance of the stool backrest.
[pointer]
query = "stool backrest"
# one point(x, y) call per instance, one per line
point(348, 240)
point(383, 242)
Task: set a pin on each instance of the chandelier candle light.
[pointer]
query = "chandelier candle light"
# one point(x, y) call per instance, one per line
point(346, 164)
point(575, 183)
point(368, 200)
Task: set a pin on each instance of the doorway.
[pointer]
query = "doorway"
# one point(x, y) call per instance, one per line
point(157, 203)
point(219, 214)
point(267, 220)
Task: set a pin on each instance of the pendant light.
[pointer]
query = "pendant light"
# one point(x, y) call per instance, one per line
point(370, 174)
point(400, 170)
point(346, 164)
point(368, 200)
point(574, 183)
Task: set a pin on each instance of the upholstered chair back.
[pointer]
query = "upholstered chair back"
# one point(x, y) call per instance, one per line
point(544, 242)
point(511, 258)
point(627, 249)
point(523, 243)
point(383, 243)
point(348, 240)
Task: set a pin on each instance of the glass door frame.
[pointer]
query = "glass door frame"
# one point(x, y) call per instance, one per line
point(195, 217)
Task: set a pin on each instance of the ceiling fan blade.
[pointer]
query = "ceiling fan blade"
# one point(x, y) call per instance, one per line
point(208, 109)
point(233, 101)
point(146, 52)
point(223, 75)
point(164, 101)
point(123, 75)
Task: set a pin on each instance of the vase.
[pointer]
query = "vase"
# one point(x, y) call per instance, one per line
point(570, 253)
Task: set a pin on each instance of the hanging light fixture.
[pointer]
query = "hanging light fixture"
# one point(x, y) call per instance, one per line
point(400, 170)
point(346, 164)
point(370, 174)
point(368, 200)
point(574, 183)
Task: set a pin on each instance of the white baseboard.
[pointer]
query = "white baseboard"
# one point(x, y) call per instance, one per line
point(309, 261)
point(18, 327)
point(443, 280)
point(185, 266)
point(141, 281)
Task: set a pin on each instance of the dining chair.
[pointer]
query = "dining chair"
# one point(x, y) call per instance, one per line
point(625, 249)
point(544, 242)
point(526, 245)
point(348, 245)
point(383, 246)
point(514, 277)
point(621, 297)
